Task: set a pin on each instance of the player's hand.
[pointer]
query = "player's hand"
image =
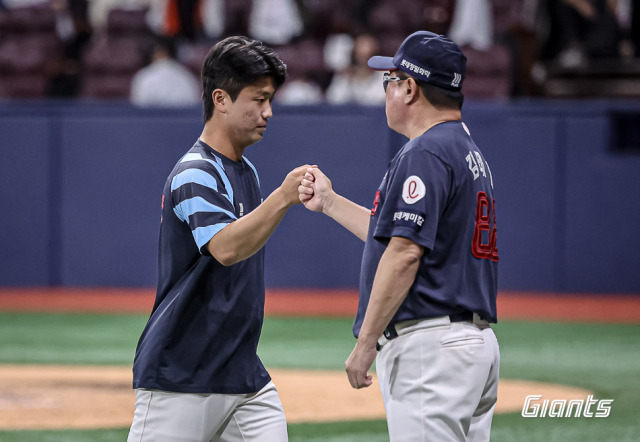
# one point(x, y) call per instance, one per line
point(358, 365)
point(315, 190)
point(289, 186)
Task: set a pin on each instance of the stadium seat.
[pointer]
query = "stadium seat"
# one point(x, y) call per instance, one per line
point(489, 73)
point(126, 22)
point(109, 66)
point(304, 58)
point(192, 56)
point(113, 57)
point(28, 48)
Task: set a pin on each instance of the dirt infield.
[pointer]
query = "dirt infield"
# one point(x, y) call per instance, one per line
point(82, 397)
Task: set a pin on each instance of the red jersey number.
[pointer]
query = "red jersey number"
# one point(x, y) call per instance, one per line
point(484, 244)
point(375, 203)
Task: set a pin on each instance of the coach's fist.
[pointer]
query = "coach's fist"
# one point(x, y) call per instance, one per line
point(289, 186)
point(315, 190)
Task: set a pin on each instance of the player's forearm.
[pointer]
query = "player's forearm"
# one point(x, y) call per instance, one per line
point(395, 275)
point(245, 236)
point(349, 215)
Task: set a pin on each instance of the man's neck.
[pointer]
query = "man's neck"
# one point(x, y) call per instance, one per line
point(219, 141)
point(424, 121)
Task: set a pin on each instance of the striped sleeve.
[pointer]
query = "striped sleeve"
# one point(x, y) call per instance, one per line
point(202, 197)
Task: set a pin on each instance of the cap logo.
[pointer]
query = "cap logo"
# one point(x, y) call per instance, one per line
point(413, 68)
point(457, 78)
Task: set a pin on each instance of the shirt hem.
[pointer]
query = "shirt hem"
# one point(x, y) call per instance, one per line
point(202, 389)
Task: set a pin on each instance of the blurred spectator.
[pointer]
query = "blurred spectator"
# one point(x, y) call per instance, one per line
point(484, 29)
point(165, 82)
point(472, 24)
point(582, 30)
point(338, 51)
point(300, 91)
point(358, 83)
point(75, 31)
point(213, 18)
point(627, 17)
point(520, 26)
point(276, 22)
point(182, 19)
point(188, 19)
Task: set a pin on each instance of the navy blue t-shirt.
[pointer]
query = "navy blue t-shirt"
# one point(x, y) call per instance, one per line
point(203, 332)
point(437, 192)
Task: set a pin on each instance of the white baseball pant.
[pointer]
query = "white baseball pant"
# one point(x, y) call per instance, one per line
point(162, 416)
point(439, 380)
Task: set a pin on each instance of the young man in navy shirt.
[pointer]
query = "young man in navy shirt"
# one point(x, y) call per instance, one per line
point(428, 282)
point(196, 371)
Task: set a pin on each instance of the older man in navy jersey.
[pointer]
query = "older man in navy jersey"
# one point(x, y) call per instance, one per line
point(428, 283)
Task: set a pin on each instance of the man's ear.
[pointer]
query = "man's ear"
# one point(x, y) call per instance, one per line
point(220, 100)
point(412, 91)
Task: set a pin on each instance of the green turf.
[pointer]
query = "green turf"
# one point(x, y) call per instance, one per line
point(364, 431)
point(602, 358)
point(69, 338)
point(310, 343)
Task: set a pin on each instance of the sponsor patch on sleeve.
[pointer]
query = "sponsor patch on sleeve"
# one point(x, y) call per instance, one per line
point(413, 190)
point(408, 219)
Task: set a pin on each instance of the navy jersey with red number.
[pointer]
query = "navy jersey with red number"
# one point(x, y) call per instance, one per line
point(438, 192)
point(203, 332)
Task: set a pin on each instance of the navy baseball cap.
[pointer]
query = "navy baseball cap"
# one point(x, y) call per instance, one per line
point(428, 57)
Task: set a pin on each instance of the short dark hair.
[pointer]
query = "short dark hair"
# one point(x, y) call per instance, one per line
point(236, 62)
point(442, 98)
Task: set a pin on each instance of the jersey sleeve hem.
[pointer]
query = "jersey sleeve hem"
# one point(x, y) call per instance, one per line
point(407, 233)
point(203, 235)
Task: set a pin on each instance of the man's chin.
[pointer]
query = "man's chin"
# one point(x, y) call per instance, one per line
point(254, 139)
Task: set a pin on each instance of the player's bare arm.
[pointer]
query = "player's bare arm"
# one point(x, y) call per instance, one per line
point(245, 236)
point(395, 275)
point(317, 194)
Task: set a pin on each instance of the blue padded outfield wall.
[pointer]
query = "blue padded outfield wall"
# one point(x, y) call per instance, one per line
point(82, 185)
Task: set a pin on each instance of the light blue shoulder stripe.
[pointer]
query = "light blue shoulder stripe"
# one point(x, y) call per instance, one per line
point(196, 205)
point(203, 235)
point(194, 156)
point(255, 172)
point(196, 176)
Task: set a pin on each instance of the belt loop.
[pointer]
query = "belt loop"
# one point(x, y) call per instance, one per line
point(381, 342)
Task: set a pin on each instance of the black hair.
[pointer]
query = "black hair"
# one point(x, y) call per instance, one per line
point(441, 98)
point(235, 63)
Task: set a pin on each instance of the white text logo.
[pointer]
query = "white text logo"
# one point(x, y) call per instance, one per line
point(407, 216)
point(535, 406)
point(417, 69)
point(477, 166)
